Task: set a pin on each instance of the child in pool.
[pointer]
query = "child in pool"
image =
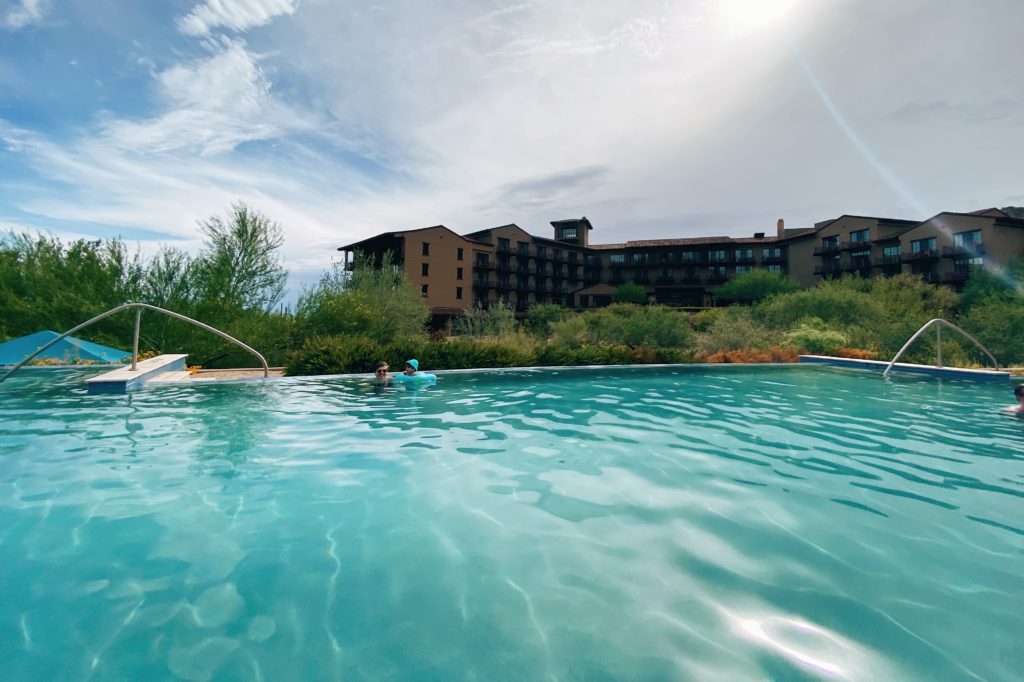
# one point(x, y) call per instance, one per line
point(1018, 409)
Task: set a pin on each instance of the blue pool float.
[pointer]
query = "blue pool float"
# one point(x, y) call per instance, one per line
point(419, 378)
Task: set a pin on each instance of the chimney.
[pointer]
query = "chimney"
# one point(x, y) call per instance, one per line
point(781, 227)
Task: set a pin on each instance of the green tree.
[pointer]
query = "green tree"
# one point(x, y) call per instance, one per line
point(239, 267)
point(988, 284)
point(497, 320)
point(753, 286)
point(630, 293)
point(374, 300)
point(539, 318)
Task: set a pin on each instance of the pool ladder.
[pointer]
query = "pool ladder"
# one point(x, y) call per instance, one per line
point(938, 323)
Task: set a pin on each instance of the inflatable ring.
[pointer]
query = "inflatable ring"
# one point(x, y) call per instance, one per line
point(418, 378)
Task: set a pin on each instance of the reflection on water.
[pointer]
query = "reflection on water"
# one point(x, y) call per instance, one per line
point(646, 523)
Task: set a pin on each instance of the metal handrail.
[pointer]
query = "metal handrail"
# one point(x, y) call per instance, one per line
point(135, 341)
point(938, 322)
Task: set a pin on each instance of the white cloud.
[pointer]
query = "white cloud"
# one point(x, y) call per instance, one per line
point(211, 106)
point(236, 15)
point(25, 14)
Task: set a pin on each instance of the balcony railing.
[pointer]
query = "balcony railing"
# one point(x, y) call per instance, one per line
point(888, 261)
point(717, 277)
point(773, 259)
point(828, 269)
point(956, 277)
point(859, 244)
point(972, 251)
point(920, 255)
point(483, 264)
point(665, 280)
point(524, 270)
point(504, 248)
point(715, 260)
point(931, 277)
point(857, 264)
point(828, 249)
point(744, 260)
point(481, 282)
point(505, 267)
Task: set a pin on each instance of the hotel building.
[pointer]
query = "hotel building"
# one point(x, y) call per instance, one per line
point(507, 263)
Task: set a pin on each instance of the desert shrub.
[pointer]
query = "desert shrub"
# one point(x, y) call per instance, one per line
point(855, 353)
point(813, 336)
point(836, 303)
point(497, 320)
point(751, 355)
point(374, 300)
point(539, 318)
point(999, 326)
point(753, 286)
point(703, 320)
point(733, 329)
point(624, 324)
point(630, 293)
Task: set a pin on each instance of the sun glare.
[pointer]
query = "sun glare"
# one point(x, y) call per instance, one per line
point(748, 16)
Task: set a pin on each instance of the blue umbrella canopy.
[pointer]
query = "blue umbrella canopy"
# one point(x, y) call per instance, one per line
point(68, 350)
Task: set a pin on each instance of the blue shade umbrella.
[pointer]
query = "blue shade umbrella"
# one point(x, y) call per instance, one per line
point(69, 350)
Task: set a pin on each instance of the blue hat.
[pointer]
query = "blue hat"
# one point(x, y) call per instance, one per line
point(414, 363)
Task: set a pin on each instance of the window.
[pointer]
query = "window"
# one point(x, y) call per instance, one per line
point(689, 257)
point(584, 301)
point(618, 259)
point(742, 268)
point(542, 252)
point(744, 254)
point(522, 248)
point(458, 273)
point(482, 261)
point(665, 273)
point(922, 246)
point(503, 244)
point(458, 293)
point(594, 261)
point(774, 268)
point(426, 248)
point(860, 236)
point(639, 257)
point(664, 257)
point(717, 270)
point(572, 257)
point(425, 269)
point(774, 252)
point(423, 290)
point(716, 256)
point(967, 240)
point(890, 251)
point(568, 233)
point(557, 254)
point(830, 242)
point(458, 254)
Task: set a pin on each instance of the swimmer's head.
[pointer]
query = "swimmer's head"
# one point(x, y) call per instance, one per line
point(1018, 392)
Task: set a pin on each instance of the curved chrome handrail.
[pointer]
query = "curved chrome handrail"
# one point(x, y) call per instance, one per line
point(139, 307)
point(939, 322)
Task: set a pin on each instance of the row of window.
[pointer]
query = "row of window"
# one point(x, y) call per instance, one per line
point(459, 252)
point(425, 291)
point(425, 271)
point(717, 256)
point(970, 239)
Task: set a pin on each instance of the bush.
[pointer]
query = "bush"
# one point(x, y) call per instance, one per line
point(630, 293)
point(630, 325)
point(734, 329)
point(755, 285)
point(539, 318)
point(751, 355)
point(812, 336)
point(497, 320)
point(999, 326)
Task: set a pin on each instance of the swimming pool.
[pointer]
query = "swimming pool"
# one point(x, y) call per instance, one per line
point(643, 523)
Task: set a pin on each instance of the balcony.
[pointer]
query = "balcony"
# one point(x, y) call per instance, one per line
point(972, 251)
point(744, 260)
point(773, 259)
point(504, 285)
point(829, 249)
point(717, 277)
point(665, 280)
point(542, 255)
point(481, 282)
point(559, 258)
point(888, 261)
point(523, 271)
point(956, 277)
point(856, 264)
point(505, 267)
point(828, 269)
point(523, 251)
point(857, 245)
point(504, 248)
point(558, 291)
point(930, 277)
point(918, 256)
point(714, 260)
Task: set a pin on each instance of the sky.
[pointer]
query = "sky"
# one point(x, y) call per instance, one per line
point(654, 119)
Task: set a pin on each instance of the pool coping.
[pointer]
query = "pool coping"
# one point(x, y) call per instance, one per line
point(908, 368)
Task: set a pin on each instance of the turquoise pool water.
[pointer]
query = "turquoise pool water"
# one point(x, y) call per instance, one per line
point(649, 523)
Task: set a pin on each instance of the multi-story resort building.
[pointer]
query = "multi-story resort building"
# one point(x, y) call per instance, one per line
point(453, 271)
